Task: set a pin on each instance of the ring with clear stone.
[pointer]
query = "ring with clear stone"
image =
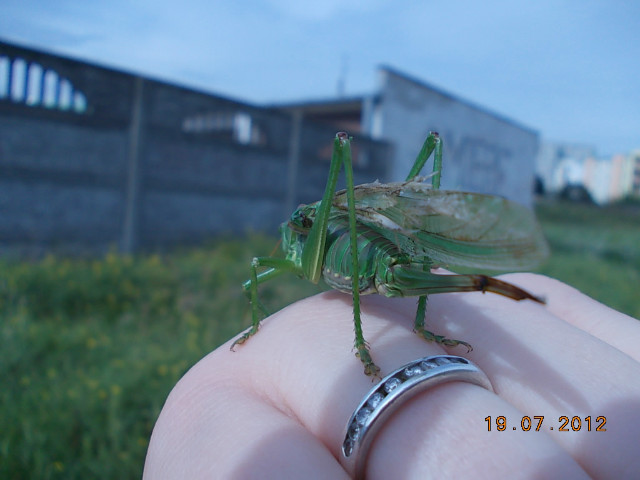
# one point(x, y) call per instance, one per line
point(393, 391)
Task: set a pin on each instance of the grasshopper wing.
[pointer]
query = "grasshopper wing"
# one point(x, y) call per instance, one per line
point(450, 227)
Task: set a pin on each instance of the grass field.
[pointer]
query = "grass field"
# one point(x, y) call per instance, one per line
point(91, 348)
point(595, 249)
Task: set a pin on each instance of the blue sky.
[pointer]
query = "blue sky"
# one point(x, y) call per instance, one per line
point(569, 69)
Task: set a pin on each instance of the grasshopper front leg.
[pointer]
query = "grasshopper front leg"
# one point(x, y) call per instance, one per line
point(277, 266)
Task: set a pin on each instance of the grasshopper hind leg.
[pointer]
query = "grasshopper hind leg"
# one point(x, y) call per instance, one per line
point(418, 328)
point(370, 368)
point(433, 143)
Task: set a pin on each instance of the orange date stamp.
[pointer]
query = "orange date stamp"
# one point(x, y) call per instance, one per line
point(535, 423)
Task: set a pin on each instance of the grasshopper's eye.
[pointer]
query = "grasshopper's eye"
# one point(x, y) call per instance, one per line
point(306, 221)
point(301, 222)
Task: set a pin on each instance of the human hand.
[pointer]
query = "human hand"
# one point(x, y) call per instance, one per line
point(277, 406)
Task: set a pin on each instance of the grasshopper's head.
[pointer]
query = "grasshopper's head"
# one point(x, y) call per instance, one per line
point(295, 231)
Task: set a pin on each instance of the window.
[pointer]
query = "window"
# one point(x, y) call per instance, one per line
point(234, 125)
point(31, 84)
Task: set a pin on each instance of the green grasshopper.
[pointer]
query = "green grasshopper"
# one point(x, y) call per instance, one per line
point(400, 232)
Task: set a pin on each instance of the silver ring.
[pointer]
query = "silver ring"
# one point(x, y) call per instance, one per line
point(393, 391)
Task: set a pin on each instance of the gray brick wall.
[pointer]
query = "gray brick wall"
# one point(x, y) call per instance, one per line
point(141, 164)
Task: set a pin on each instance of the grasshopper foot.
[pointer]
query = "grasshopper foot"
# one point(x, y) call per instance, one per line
point(244, 337)
point(370, 368)
point(447, 342)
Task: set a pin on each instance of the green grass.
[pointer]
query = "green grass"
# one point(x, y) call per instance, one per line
point(91, 348)
point(595, 249)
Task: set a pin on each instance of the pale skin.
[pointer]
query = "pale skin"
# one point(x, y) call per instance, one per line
point(277, 406)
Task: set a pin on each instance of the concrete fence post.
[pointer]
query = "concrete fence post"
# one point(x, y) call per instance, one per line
point(129, 239)
point(294, 160)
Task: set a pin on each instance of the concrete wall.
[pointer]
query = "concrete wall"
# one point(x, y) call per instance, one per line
point(483, 152)
point(92, 158)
